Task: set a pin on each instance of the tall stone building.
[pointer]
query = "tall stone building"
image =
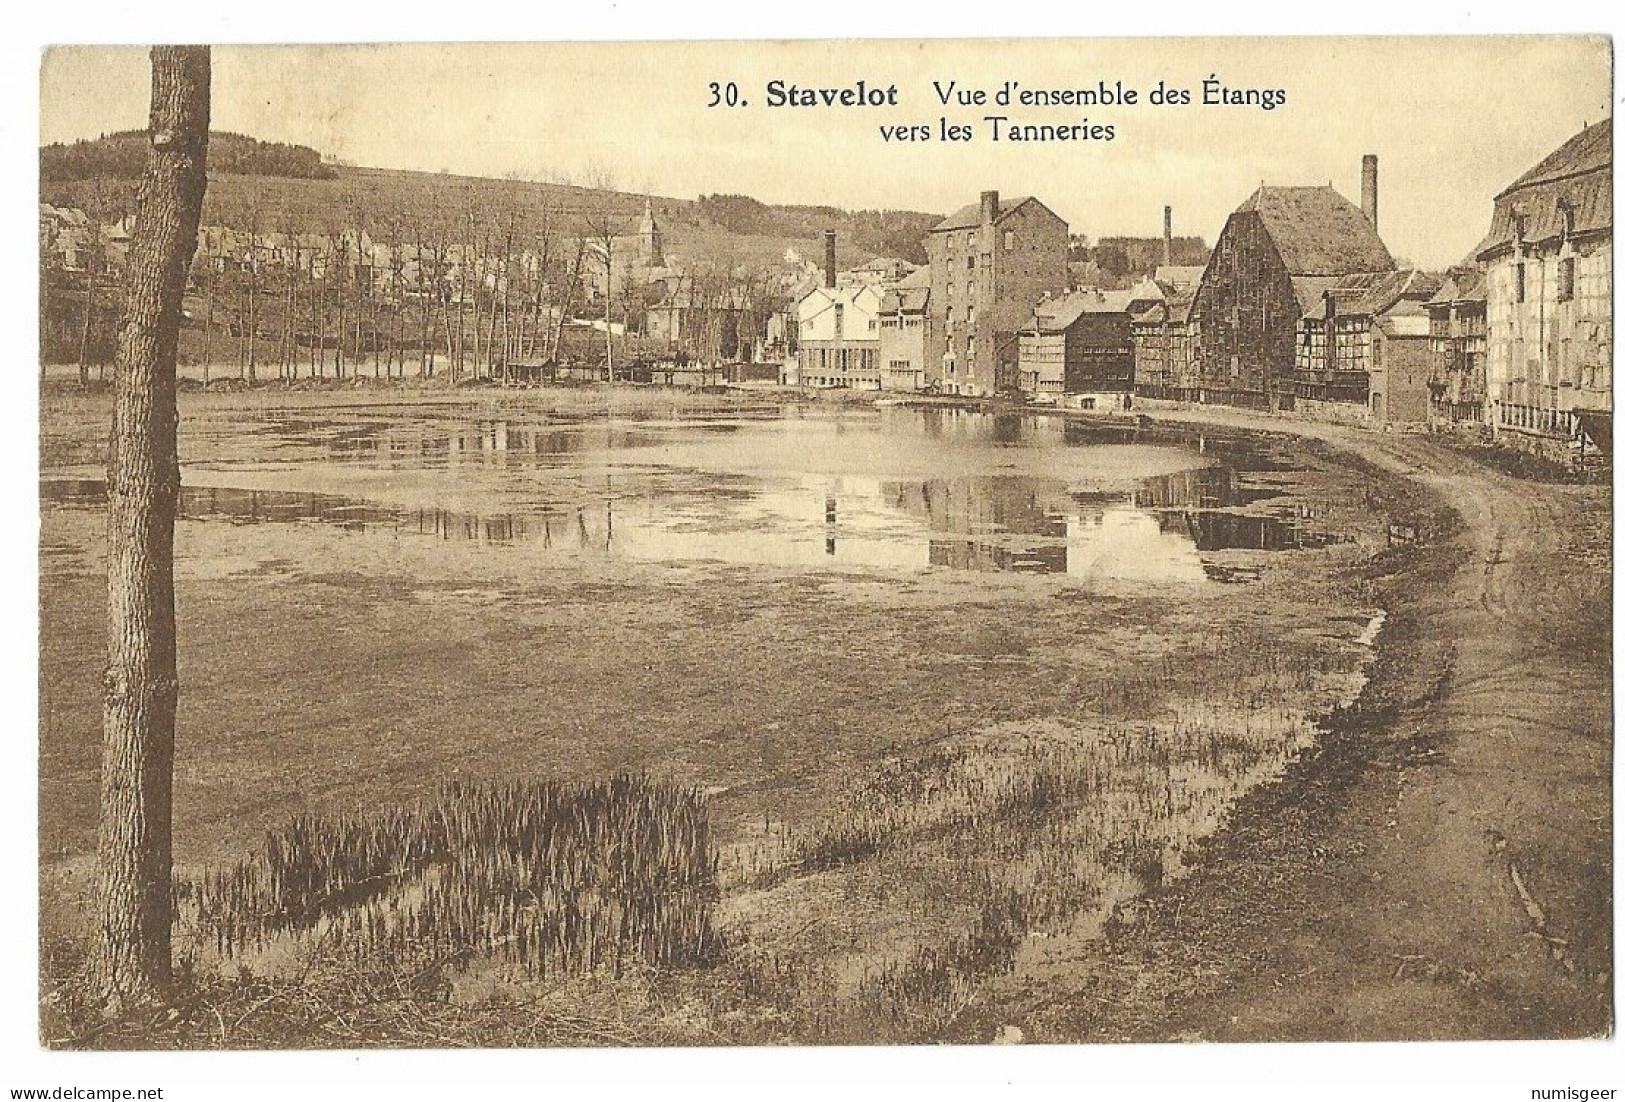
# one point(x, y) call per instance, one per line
point(990, 264)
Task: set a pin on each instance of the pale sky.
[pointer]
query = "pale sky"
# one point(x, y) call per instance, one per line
point(1452, 120)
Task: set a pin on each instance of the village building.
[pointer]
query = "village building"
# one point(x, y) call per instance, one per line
point(905, 323)
point(683, 323)
point(1165, 347)
point(990, 264)
point(1079, 348)
point(1277, 251)
point(1363, 352)
point(1456, 332)
point(1549, 296)
point(838, 331)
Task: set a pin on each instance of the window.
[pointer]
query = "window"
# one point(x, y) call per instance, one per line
point(949, 316)
point(1565, 279)
point(843, 355)
point(840, 320)
point(1518, 288)
point(970, 239)
point(970, 315)
point(1009, 240)
point(970, 289)
point(970, 347)
point(970, 263)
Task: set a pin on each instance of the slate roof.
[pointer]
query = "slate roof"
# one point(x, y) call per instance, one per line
point(1370, 294)
point(1058, 314)
point(1577, 177)
point(1461, 286)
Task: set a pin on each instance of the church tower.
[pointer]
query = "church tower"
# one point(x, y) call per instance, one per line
point(650, 243)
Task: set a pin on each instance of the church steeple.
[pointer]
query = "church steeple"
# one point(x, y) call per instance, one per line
point(650, 241)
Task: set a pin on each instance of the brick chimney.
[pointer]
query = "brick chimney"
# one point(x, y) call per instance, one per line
point(990, 207)
point(1167, 235)
point(829, 258)
point(1368, 187)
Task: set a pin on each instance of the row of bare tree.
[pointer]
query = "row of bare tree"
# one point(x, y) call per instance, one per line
point(468, 294)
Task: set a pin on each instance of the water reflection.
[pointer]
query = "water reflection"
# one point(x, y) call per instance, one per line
point(896, 490)
point(1154, 530)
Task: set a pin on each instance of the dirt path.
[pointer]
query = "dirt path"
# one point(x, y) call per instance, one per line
point(1442, 869)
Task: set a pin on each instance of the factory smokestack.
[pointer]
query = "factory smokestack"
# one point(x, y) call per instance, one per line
point(829, 258)
point(1368, 187)
point(1167, 235)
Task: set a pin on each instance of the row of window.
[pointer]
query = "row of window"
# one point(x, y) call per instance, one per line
point(1565, 280)
point(1009, 240)
point(843, 359)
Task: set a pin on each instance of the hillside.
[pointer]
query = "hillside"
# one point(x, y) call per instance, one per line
point(398, 205)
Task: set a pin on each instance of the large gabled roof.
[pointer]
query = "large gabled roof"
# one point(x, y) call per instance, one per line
point(1317, 232)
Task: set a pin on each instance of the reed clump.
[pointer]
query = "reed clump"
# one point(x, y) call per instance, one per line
point(544, 876)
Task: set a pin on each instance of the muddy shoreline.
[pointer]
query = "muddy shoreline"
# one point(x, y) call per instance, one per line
point(1289, 924)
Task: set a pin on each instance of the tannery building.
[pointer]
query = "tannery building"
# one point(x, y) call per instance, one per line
point(1362, 351)
point(990, 264)
point(838, 328)
point(1456, 346)
point(1549, 295)
point(1252, 292)
point(1080, 345)
point(905, 322)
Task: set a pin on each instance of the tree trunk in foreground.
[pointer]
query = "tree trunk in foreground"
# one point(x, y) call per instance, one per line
point(131, 962)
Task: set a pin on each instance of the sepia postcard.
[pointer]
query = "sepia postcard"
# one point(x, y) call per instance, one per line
point(806, 543)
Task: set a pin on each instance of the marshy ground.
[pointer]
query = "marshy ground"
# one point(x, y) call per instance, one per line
point(965, 766)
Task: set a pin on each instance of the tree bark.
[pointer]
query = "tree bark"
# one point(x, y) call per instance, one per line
point(131, 962)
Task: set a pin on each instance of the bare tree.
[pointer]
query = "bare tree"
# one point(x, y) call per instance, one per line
point(606, 220)
point(135, 904)
point(253, 283)
point(572, 282)
point(208, 270)
point(95, 259)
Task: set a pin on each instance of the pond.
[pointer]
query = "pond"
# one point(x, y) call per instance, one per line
point(894, 491)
